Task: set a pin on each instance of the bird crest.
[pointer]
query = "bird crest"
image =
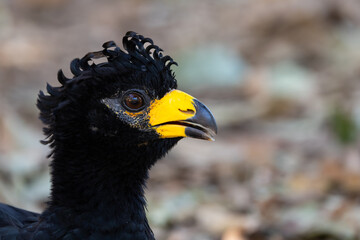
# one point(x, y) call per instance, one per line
point(141, 55)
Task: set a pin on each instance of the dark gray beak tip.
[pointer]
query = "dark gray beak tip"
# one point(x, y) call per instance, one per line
point(203, 124)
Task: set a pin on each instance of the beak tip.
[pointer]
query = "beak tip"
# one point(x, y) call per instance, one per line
point(205, 118)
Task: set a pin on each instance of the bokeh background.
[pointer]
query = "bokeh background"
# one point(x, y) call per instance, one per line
point(282, 78)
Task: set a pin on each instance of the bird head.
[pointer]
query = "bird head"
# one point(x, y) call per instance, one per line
point(130, 99)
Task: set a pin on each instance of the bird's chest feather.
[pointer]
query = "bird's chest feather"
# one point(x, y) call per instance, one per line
point(81, 234)
point(56, 227)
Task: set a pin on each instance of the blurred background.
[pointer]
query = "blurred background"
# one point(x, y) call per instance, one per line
point(281, 77)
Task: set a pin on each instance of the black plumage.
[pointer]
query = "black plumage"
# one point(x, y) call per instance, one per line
point(107, 125)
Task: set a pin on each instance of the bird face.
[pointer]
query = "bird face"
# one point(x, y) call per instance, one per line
point(176, 114)
point(129, 99)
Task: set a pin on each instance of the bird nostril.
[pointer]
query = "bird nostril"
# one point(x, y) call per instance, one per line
point(187, 111)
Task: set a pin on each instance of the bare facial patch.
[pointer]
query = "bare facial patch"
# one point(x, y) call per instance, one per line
point(133, 119)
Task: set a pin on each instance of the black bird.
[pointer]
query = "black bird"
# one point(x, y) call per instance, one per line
point(107, 126)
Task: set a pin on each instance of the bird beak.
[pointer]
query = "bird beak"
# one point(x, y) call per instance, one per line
point(178, 114)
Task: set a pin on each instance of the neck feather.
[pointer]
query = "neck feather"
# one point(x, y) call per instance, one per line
point(101, 184)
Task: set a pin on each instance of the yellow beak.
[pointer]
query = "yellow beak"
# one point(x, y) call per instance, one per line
point(178, 114)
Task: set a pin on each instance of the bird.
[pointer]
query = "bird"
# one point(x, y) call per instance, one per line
point(107, 126)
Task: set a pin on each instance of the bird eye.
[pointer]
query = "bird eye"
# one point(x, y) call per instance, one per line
point(133, 101)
